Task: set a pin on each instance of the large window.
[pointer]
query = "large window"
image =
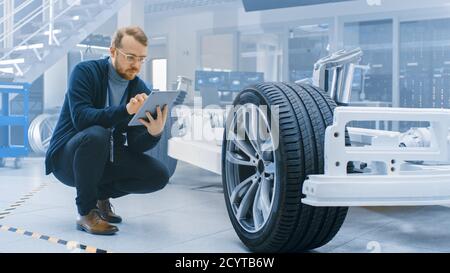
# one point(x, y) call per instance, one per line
point(425, 65)
point(307, 44)
point(375, 38)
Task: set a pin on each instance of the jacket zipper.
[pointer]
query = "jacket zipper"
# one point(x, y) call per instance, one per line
point(111, 148)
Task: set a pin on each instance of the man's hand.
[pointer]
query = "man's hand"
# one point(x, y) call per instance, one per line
point(136, 103)
point(156, 126)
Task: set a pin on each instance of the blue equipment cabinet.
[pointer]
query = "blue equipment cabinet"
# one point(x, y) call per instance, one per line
point(7, 121)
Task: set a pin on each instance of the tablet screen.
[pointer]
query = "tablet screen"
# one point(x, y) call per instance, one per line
point(155, 98)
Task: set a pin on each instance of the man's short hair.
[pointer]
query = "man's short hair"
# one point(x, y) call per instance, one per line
point(134, 31)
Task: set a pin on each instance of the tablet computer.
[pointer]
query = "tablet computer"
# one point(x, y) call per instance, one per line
point(155, 98)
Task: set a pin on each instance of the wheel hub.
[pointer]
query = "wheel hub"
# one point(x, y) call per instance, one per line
point(260, 167)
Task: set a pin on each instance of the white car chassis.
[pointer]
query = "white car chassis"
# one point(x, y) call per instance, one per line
point(406, 169)
point(402, 169)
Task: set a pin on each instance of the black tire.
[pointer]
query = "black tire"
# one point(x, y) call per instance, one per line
point(305, 112)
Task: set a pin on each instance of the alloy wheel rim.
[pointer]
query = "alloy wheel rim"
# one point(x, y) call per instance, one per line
point(250, 149)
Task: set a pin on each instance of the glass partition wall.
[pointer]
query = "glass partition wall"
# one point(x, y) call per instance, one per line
point(405, 63)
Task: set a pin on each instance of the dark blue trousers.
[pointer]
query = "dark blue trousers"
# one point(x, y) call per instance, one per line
point(83, 162)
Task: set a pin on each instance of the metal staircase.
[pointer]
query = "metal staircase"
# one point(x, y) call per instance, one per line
point(34, 35)
point(38, 33)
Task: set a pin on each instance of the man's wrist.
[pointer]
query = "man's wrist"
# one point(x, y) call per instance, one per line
point(158, 135)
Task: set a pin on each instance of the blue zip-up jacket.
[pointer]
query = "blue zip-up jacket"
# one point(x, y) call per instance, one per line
point(84, 106)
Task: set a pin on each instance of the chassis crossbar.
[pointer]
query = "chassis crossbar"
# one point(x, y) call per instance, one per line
point(397, 181)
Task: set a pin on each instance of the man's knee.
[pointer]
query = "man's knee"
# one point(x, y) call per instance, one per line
point(161, 177)
point(97, 137)
point(157, 177)
point(155, 180)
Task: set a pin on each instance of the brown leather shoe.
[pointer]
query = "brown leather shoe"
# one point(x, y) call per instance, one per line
point(107, 213)
point(94, 224)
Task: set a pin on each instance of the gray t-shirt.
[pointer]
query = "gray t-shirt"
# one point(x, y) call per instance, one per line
point(117, 86)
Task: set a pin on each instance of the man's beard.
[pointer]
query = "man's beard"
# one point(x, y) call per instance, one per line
point(128, 74)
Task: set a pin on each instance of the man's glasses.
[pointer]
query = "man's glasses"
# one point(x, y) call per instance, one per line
point(132, 58)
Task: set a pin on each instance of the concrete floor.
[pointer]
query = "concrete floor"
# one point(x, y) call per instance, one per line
point(189, 215)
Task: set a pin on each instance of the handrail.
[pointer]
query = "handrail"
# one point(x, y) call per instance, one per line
point(39, 30)
point(16, 10)
point(33, 14)
point(22, 23)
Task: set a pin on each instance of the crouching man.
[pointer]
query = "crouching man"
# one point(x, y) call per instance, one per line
point(92, 148)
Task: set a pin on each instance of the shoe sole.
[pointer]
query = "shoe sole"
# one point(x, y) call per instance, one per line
point(81, 228)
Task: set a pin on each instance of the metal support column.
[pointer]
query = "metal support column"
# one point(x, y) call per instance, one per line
point(396, 68)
